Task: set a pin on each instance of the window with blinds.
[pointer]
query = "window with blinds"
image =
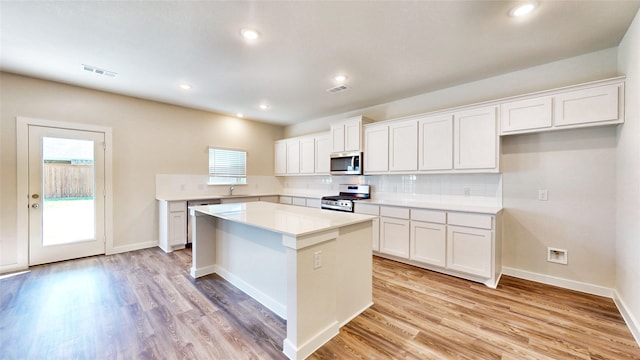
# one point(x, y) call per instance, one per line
point(227, 166)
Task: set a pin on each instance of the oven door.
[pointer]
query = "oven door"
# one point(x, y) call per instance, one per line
point(349, 163)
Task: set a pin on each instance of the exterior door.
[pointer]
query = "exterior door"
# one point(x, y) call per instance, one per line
point(66, 194)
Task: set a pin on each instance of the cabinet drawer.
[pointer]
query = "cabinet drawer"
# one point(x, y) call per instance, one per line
point(313, 203)
point(394, 212)
point(285, 200)
point(479, 221)
point(299, 201)
point(177, 206)
point(433, 216)
point(367, 209)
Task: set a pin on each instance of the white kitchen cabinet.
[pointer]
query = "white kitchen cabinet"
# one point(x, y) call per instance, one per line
point(313, 203)
point(435, 143)
point(288, 200)
point(528, 114)
point(476, 139)
point(347, 135)
point(470, 250)
point(394, 231)
point(593, 104)
point(173, 225)
point(280, 154)
point(293, 156)
point(403, 146)
point(298, 201)
point(322, 154)
point(584, 106)
point(370, 209)
point(376, 154)
point(428, 241)
point(307, 155)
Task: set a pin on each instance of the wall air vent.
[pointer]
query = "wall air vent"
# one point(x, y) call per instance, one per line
point(98, 71)
point(337, 89)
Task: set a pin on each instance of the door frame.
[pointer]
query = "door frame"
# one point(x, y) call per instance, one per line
point(22, 211)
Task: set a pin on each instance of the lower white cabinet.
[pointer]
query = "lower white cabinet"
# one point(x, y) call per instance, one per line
point(428, 243)
point(173, 225)
point(470, 250)
point(394, 236)
point(394, 231)
point(462, 244)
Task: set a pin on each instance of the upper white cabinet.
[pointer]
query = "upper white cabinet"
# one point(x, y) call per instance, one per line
point(322, 153)
point(475, 134)
point(307, 155)
point(280, 154)
point(293, 156)
point(586, 106)
point(435, 142)
point(403, 146)
point(527, 114)
point(376, 155)
point(593, 104)
point(347, 135)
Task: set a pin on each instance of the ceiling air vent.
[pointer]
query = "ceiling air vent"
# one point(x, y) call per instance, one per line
point(337, 89)
point(94, 69)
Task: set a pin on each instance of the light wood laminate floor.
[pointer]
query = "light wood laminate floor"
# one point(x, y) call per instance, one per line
point(144, 305)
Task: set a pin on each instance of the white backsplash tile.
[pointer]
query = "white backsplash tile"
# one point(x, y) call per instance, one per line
point(188, 185)
point(484, 189)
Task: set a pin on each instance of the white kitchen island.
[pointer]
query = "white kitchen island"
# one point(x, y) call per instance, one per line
point(310, 266)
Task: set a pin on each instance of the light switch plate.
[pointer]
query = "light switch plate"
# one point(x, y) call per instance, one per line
point(543, 195)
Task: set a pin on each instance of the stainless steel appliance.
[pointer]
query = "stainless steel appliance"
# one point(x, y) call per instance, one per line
point(344, 200)
point(346, 163)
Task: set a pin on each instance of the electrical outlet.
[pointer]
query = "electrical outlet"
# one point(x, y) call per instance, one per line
point(543, 195)
point(317, 260)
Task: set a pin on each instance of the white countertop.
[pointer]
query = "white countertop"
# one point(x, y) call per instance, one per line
point(284, 219)
point(483, 209)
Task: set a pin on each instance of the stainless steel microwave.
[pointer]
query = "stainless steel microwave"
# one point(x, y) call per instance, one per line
point(346, 163)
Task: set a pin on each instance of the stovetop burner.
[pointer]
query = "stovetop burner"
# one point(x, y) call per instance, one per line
point(344, 200)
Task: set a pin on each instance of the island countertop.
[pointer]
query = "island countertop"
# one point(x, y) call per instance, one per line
point(283, 219)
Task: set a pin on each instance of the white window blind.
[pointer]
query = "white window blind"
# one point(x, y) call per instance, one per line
point(227, 166)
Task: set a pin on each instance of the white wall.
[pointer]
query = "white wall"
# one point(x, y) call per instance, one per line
point(628, 181)
point(577, 167)
point(148, 138)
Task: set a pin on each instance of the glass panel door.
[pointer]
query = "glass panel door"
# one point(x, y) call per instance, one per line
point(66, 194)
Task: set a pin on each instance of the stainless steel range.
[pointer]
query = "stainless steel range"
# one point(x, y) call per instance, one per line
point(344, 200)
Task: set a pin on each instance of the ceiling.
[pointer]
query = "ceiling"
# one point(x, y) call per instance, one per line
point(388, 49)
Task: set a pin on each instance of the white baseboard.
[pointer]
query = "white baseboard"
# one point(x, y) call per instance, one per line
point(9, 268)
point(132, 247)
point(560, 282)
point(632, 322)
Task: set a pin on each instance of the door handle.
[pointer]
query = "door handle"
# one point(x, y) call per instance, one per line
point(35, 205)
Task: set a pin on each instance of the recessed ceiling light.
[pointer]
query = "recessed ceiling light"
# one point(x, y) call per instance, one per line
point(264, 106)
point(340, 78)
point(249, 34)
point(522, 10)
point(185, 87)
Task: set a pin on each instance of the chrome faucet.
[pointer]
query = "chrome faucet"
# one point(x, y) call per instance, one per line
point(231, 188)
